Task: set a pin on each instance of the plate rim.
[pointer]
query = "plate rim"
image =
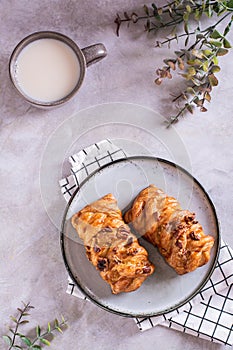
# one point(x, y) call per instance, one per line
point(217, 240)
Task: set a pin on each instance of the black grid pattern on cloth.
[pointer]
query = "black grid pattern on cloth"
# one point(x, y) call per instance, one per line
point(195, 317)
point(217, 326)
point(212, 317)
point(72, 182)
point(72, 289)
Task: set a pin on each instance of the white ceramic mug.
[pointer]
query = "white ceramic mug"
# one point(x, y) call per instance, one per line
point(53, 64)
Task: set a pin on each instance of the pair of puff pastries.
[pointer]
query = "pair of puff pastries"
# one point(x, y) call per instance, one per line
point(114, 250)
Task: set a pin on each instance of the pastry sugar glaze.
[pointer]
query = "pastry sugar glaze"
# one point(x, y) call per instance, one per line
point(47, 70)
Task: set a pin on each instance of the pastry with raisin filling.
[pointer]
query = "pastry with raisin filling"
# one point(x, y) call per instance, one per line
point(160, 219)
point(110, 245)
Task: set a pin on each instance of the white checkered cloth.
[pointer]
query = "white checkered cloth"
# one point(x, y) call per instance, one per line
point(209, 314)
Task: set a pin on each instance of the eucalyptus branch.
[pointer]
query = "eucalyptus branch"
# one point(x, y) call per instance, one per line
point(40, 338)
point(206, 30)
point(197, 62)
point(22, 313)
point(179, 11)
point(153, 13)
point(202, 66)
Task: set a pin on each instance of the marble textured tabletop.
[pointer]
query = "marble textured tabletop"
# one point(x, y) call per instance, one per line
point(31, 264)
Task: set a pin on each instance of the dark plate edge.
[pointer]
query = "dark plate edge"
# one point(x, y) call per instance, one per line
point(217, 241)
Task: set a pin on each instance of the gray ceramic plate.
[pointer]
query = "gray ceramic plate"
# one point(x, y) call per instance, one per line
point(164, 290)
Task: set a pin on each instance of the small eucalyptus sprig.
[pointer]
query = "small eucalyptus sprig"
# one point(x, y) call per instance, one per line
point(19, 340)
point(197, 63)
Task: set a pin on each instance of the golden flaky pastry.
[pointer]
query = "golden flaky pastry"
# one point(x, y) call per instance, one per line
point(110, 245)
point(178, 236)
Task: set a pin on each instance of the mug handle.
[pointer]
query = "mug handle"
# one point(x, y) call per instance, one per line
point(94, 53)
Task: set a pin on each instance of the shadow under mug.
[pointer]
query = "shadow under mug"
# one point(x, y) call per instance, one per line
point(86, 56)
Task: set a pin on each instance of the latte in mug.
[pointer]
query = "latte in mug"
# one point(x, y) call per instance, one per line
point(47, 70)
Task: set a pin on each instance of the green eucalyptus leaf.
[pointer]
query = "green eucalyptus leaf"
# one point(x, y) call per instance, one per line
point(186, 76)
point(147, 25)
point(23, 322)
point(221, 10)
point(26, 340)
point(191, 71)
point(13, 319)
point(195, 62)
point(154, 7)
point(56, 323)
point(222, 52)
point(49, 327)
point(156, 12)
point(215, 60)
point(190, 90)
point(145, 8)
point(215, 35)
point(38, 330)
point(188, 8)
point(215, 69)
point(209, 11)
point(7, 339)
point(207, 52)
point(229, 4)
point(186, 17)
point(59, 329)
point(197, 14)
point(205, 66)
point(19, 334)
point(197, 101)
point(216, 43)
point(226, 44)
point(227, 29)
point(189, 108)
point(45, 341)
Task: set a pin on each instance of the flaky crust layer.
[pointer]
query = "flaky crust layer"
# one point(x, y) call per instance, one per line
point(178, 236)
point(110, 245)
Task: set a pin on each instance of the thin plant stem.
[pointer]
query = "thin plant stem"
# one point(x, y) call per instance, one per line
point(17, 324)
